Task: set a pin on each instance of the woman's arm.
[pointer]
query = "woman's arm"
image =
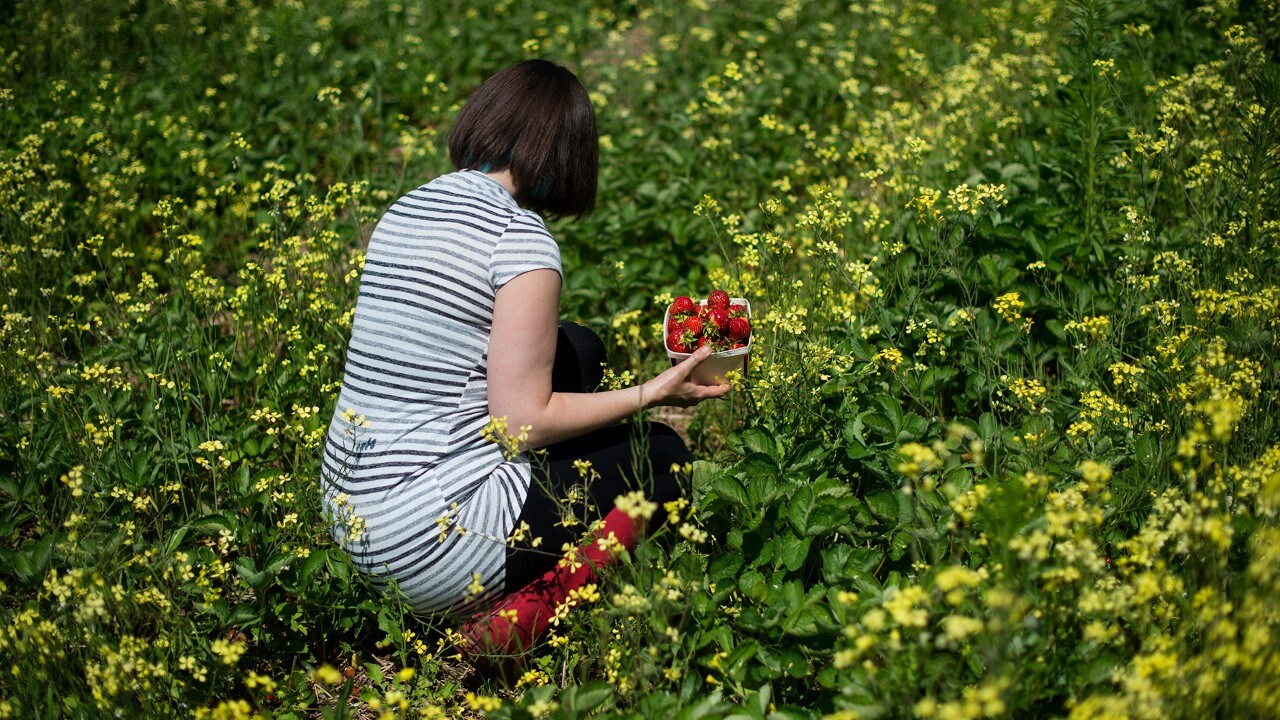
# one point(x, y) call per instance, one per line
point(522, 349)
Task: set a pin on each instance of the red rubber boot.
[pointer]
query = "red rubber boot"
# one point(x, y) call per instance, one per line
point(519, 620)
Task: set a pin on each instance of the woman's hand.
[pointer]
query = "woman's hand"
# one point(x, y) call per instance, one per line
point(522, 350)
point(673, 386)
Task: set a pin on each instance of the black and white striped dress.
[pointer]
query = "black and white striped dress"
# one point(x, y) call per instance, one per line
point(416, 372)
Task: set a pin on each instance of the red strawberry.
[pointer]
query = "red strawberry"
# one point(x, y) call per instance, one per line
point(737, 310)
point(684, 333)
point(673, 324)
point(704, 340)
point(719, 318)
point(738, 346)
point(718, 299)
point(739, 328)
point(682, 306)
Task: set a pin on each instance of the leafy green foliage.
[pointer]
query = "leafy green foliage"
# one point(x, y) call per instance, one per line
point(1007, 443)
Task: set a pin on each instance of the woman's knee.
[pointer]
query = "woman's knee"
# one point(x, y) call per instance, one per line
point(580, 359)
point(666, 448)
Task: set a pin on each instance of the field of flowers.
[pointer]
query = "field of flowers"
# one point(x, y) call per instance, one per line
point(1010, 440)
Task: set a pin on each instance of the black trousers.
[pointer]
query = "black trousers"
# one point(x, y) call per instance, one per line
point(627, 457)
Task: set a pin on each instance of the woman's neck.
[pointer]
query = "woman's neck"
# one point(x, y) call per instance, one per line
point(504, 177)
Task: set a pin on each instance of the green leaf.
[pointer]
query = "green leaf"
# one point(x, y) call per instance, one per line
point(578, 701)
point(834, 560)
point(248, 570)
point(728, 487)
point(853, 431)
point(862, 581)
point(883, 505)
point(865, 559)
point(892, 410)
point(856, 451)
point(794, 552)
point(807, 454)
point(175, 540)
point(278, 562)
point(988, 428)
point(759, 440)
point(752, 585)
point(760, 476)
point(314, 561)
point(733, 665)
point(914, 425)
point(1100, 668)
point(758, 550)
point(844, 564)
point(23, 568)
point(390, 624)
point(32, 560)
point(898, 545)
point(882, 425)
point(214, 523)
point(340, 566)
point(794, 663)
point(711, 706)
point(827, 517)
point(904, 509)
point(721, 637)
point(659, 704)
point(811, 617)
point(800, 507)
point(724, 567)
point(244, 615)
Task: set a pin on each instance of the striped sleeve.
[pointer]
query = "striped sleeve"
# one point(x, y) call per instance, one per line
point(524, 245)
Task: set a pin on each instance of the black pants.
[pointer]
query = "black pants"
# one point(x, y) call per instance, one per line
point(633, 456)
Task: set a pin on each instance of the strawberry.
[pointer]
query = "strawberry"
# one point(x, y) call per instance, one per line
point(738, 346)
point(739, 328)
point(704, 340)
point(718, 299)
point(674, 344)
point(737, 310)
point(682, 306)
point(719, 318)
point(683, 335)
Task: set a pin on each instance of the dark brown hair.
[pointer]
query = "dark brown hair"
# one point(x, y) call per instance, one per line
point(536, 120)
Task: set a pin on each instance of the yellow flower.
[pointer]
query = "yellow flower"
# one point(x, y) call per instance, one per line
point(483, 703)
point(229, 651)
point(635, 505)
point(891, 357)
point(1009, 306)
point(327, 675)
point(919, 458)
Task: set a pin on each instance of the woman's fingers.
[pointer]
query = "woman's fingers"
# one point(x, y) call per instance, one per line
point(710, 392)
point(693, 361)
point(676, 387)
point(696, 391)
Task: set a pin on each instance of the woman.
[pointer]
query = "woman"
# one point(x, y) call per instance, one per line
point(456, 324)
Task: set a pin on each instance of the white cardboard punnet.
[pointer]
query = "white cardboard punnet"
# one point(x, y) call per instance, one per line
point(712, 370)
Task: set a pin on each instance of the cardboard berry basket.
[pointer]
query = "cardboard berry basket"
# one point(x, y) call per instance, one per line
point(712, 371)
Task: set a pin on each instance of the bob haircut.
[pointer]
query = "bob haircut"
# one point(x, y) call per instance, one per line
point(534, 119)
